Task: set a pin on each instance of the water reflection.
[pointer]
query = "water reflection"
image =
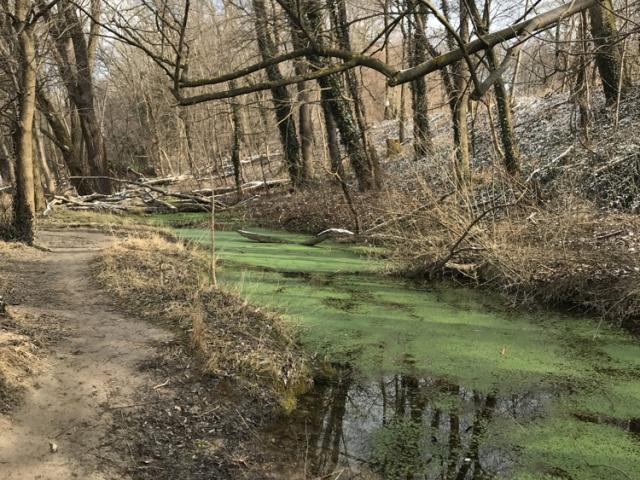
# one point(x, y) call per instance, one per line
point(404, 427)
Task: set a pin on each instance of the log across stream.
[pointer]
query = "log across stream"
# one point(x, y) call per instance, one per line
point(440, 382)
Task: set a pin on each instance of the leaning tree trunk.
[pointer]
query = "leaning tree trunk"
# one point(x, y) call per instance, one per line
point(608, 50)
point(236, 124)
point(84, 101)
point(340, 20)
point(24, 198)
point(45, 170)
point(62, 138)
point(281, 98)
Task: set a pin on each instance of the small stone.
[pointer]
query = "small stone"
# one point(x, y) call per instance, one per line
point(53, 447)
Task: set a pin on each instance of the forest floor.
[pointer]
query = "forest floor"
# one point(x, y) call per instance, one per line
point(60, 427)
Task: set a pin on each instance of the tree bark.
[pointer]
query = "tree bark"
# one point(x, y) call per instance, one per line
point(45, 170)
point(236, 123)
point(503, 98)
point(62, 139)
point(281, 98)
point(304, 113)
point(24, 208)
point(7, 173)
point(458, 102)
point(350, 135)
point(422, 140)
point(608, 50)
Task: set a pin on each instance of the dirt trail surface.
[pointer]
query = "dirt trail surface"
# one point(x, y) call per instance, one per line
point(60, 430)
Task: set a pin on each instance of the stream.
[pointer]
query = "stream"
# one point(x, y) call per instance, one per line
point(437, 383)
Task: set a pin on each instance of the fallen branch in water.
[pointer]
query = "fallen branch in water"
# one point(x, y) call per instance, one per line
point(310, 242)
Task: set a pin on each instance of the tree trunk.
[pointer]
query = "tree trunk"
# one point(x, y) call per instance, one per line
point(236, 123)
point(341, 23)
point(422, 140)
point(503, 100)
point(24, 198)
point(304, 113)
point(458, 102)
point(608, 50)
point(7, 173)
point(74, 61)
point(63, 140)
point(332, 136)
point(45, 171)
point(84, 101)
point(340, 110)
point(281, 98)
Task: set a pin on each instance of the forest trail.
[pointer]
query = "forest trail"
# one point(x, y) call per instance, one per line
point(90, 375)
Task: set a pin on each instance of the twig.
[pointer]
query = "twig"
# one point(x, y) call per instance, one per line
point(163, 384)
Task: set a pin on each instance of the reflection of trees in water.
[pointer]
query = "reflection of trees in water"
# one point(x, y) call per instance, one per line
point(405, 427)
point(326, 424)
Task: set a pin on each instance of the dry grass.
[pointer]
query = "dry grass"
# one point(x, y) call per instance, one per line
point(20, 352)
point(19, 359)
point(168, 281)
point(565, 253)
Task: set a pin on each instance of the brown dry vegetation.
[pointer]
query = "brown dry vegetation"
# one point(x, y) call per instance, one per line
point(565, 234)
point(21, 338)
point(167, 281)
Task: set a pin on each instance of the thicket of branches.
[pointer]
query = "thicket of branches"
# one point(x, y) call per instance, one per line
point(249, 89)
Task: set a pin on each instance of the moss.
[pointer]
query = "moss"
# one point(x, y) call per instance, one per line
point(327, 257)
point(562, 447)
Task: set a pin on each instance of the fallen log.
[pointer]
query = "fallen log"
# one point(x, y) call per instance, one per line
point(247, 187)
point(310, 242)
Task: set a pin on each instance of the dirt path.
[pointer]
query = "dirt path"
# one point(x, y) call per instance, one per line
point(91, 373)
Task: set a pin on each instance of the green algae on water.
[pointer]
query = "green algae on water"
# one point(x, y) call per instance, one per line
point(584, 377)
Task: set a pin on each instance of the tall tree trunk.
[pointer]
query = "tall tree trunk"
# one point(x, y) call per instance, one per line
point(236, 124)
point(61, 137)
point(45, 170)
point(608, 50)
point(503, 100)
point(582, 82)
point(305, 120)
point(84, 101)
point(332, 136)
point(24, 209)
point(422, 140)
point(341, 23)
point(281, 98)
point(350, 135)
point(458, 102)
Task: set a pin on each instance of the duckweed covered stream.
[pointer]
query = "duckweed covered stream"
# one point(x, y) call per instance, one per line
point(439, 383)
